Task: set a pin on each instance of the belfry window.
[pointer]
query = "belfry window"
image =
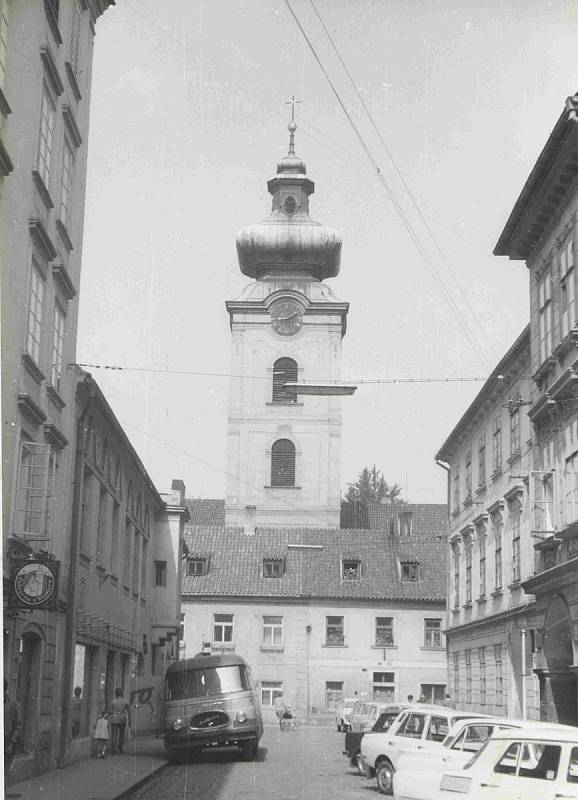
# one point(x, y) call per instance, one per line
point(284, 371)
point(283, 463)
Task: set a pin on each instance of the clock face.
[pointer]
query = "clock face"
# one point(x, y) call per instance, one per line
point(286, 317)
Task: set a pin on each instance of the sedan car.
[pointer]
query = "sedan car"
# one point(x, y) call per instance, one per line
point(419, 727)
point(535, 762)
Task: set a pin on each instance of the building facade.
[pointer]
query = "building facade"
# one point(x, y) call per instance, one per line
point(542, 230)
point(321, 614)
point(489, 634)
point(284, 449)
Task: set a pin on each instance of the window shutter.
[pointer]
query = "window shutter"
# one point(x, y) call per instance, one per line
point(284, 371)
point(283, 463)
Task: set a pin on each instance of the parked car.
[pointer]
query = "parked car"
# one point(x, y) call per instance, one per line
point(418, 727)
point(386, 714)
point(532, 762)
point(418, 771)
point(343, 712)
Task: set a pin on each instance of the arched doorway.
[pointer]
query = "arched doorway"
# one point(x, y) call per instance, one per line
point(29, 683)
point(558, 686)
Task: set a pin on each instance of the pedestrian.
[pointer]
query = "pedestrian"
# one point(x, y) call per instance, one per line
point(410, 698)
point(101, 734)
point(13, 727)
point(448, 702)
point(77, 703)
point(280, 708)
point(119, 718)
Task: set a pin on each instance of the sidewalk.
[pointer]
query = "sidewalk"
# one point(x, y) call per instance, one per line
point(96, 779)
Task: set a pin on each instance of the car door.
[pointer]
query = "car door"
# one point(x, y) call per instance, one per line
point(526, 770)
point(408, 735)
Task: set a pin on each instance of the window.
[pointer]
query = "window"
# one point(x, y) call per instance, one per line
point(102, 525)
point(57, 347)
point(499, 674)
point(32, 490)
point(333, 695)
point(53, 465)
point(334, 631)
point(283, 463)
point(545, 316)
point(456, 577)
point(223, 628)
point(144, 566)
point(136, 555)
point(469, 549)
point(482, 460)
point(384, 632)
point(498, 566)
point(412, 726)
point(482, 663)
point(530, 760)
point(572, 776)
point(270, 691)
point(542, 499)
point(432, 633)
point(350, 569)
point(409, 571)
point(567, 287)
point(482, 551)
point(405, 523)
point(45, 142)
point(456, 675)
point(571, 488)
point(273, 567)
point(3, 39)
point(438, 727)
point(272, 630)
point(384, 686)
point(114, 537)
point(75, 37)
point(434, 693)
point(468, 474)
point(66, 182)
point(497, 443)
point(515, 517)
point(284, 371)
point(515, 432)
point(160, 573)
point(197, 567)
point(468, 676)
point(456, 487)
point(35, 304)
point(127, 550)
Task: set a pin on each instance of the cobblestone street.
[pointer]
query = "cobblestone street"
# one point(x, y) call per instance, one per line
point(305, 764)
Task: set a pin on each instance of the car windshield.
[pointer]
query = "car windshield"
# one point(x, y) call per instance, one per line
point(384, 721)
point(212, 681)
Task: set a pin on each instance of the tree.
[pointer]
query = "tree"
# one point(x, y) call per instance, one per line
point(371, 487)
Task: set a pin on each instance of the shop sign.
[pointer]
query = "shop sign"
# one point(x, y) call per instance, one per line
point(34, 583)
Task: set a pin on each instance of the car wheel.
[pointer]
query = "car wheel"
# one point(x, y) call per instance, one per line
point(384, 777)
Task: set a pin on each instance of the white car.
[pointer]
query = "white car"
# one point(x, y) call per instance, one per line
point(417, 772)
point(343, 713)
point(419, 727)
point(532, 763)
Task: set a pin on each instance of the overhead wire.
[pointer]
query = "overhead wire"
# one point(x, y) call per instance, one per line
point(385, 185)
point(402, 178)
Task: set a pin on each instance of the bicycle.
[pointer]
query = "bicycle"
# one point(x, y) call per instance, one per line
point(289, 723)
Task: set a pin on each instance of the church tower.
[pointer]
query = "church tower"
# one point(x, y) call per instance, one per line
point(284, 426)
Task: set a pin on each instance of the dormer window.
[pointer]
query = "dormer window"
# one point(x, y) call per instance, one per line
point(409, 571)
point(350, 569)
point(273, 567)
point(197, 567)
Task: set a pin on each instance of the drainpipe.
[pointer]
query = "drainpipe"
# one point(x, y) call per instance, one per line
point(308, 629)
point(446, 467)
point(74, 549)
point(523, 632)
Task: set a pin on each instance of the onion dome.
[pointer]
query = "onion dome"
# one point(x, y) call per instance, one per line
point(289, 242)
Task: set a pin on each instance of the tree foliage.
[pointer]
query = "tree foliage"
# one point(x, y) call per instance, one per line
point(371, 487)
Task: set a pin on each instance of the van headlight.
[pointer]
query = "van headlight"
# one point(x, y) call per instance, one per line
point(241, 716)
point(178, 724)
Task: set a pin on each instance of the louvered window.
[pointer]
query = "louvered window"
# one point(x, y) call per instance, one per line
point(284, 371)
point(283, 463)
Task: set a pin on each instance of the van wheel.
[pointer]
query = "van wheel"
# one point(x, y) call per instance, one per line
point(384, 777)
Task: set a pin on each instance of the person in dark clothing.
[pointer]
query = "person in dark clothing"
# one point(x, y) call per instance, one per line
point(13, 727)
point(119, 718)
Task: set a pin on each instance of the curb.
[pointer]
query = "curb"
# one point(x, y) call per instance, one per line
point(135, 786)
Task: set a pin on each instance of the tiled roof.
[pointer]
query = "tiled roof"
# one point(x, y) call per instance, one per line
point(206, 512)
point(428, 520)
point(236, 563)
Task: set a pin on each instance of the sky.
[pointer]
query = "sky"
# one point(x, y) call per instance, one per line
point(188, 120)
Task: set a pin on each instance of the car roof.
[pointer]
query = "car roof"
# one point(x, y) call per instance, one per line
point(543, 732)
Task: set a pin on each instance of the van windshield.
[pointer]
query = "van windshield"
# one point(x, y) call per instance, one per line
point(212, 681)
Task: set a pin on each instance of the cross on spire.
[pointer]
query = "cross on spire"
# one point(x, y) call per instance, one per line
point(292, 125)
point(292, 103)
